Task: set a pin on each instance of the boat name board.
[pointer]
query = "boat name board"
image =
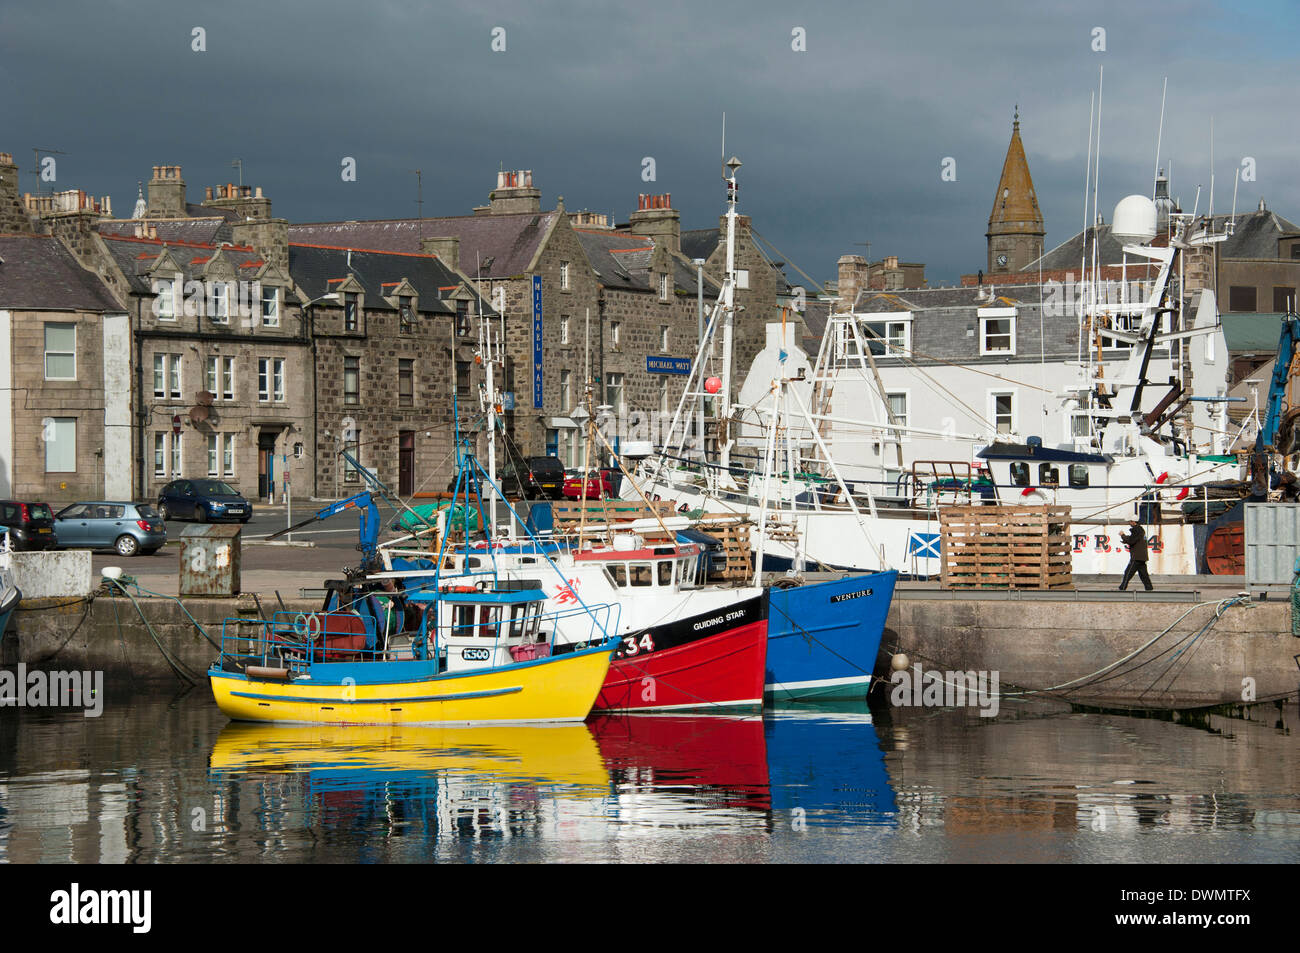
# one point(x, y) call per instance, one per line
point(846, 596)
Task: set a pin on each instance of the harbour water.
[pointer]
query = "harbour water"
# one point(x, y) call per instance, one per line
point(159, 778)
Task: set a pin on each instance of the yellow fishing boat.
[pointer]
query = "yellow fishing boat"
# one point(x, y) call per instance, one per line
point(477, 656)
point(550, 754)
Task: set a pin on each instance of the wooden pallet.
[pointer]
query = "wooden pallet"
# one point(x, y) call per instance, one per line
point(608, 511)
point(1005, 547)
point(738, 556)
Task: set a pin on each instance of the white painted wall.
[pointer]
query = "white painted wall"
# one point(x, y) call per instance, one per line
point(6, 405)
point(117, 408)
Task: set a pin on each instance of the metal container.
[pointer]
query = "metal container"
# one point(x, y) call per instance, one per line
point(210, 561)
point(1272, 536)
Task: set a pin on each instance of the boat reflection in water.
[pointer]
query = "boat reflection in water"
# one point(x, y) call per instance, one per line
point(616, 776)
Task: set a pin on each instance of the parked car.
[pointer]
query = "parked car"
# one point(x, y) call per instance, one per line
point(207, 501)
point(538, 477)
point(600, 484)
point(30, 525)
point(130, 528)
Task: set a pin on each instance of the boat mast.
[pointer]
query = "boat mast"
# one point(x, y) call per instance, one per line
point(728, 320)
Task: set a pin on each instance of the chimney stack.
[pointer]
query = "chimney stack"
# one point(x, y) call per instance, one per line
point(447, 250)
point(515, 194)
point(655, 218)
point(166, 192)
point(852, 278)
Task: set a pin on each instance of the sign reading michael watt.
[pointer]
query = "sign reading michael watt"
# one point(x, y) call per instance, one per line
point(668, 365)
point(537, 342)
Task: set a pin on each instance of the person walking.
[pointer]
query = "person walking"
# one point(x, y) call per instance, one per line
point(1137, 555)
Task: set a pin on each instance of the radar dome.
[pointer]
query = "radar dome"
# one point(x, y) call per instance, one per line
point(1135, 220)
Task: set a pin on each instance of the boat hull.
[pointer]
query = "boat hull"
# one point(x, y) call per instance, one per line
point(823, 637)
point(559, 689)
point(687, 670)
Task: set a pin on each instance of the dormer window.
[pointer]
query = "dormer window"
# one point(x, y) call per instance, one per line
point(462, 317)
point(406, 315)
point(270, 307)
point(164, 300)
point(350, 308)
point(220, 303)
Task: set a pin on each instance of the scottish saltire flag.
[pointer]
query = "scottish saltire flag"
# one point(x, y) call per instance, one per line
point(925, 545)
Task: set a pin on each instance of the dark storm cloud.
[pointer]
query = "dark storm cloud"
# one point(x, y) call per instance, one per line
point(841, 144)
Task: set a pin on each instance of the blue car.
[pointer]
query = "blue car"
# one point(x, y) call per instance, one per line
point(207, 501)
point(129, 528)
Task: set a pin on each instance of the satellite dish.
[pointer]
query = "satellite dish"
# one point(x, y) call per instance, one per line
point(1135, 220)
point(198, 414)
point(205, 398)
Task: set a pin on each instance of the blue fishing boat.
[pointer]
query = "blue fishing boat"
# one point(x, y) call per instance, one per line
point(822, 637)
point(10, 594)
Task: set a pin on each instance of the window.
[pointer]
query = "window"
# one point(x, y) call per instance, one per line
point(1283, 300)
point(176, 455)
point(1003, 412)
point(897, 337)
point(898, 406)
point(663, 337)
point(350, 473)
point(462, 378)
point(564, 329)
point(663, 287)
point(1078, 475)
point(164, 305)
point(405, 382)
point(615, 332)
point(566, 390)
point(1048, 475)
point(220, 302)
point(640, 574)
point(614, 392)
point(663, 397)
point(1020, 473)
point(270, 378)
point(1295, 250)
point(617, 573)
point(406, 315)
point(350, 307)
point(462, 317)
point(167, 376)
point(221, 378)
point(228, 454)
point(564, 275)
point(270, 307)
point(60, 352)
point(213, 451)
point(665, 572)
point(997, 330)
point(1241, 298)
point(351, 380)
point(742, 278)
point(160, 454)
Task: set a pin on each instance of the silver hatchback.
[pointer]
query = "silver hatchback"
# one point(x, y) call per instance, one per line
point(129, 528)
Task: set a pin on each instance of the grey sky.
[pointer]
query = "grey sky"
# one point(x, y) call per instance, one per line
point(841, 144)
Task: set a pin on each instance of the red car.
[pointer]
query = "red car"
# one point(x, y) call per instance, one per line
point(599, 485)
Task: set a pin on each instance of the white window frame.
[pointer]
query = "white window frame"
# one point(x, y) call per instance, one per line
point(663, 337)
point(61, 325)
point(167, 373)
point(176, 455)
point(993, 396)
point(615, 332)
point(271, 320)
point(566, 390)
point(277, 379)
point(663, 287)
point(564, 276)
point(663, 396)
point(227, 369)
point(214, 458)
point(610, 385)
point(905, 417)
point(165, 291)
point(564, 329)
point(228, 454)
point(996, 314)
point(220, 302)
point(160, 455)
point(52, 440)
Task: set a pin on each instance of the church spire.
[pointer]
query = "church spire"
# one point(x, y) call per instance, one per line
point(1016, 230)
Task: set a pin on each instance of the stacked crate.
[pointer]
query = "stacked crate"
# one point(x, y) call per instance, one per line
point(1005, 547)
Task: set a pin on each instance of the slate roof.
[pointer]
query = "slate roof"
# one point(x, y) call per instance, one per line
point(136, 256)
point(208, 230)
point(1255, 236)
point(314, 268)
point(38, 273)
point(700, 242)
point(967, 296)
point(501, 245)
point(615, 270)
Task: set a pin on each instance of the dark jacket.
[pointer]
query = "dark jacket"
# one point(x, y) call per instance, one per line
point(1137, 544)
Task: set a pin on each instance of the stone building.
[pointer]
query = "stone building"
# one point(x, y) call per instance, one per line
point(1016, 230)
point(64, 381)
